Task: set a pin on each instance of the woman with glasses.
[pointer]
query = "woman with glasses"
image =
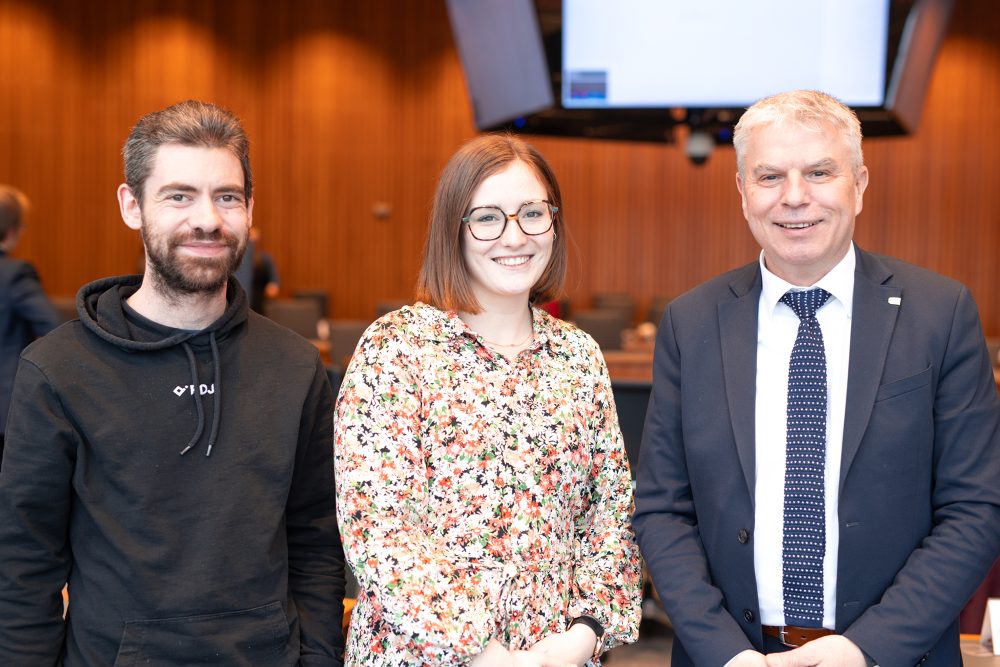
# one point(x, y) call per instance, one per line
point(483, 490)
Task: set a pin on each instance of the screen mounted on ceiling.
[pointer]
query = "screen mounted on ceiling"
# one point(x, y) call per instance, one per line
point(721, 53)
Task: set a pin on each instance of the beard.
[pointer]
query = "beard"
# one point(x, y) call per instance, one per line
point(174, 274)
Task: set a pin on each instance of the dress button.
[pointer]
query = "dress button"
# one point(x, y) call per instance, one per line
point(748, 615)
point(743, 536)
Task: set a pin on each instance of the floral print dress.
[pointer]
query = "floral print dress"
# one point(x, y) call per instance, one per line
point(479, 496)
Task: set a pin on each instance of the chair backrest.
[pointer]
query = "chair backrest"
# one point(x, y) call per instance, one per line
point(386, 306)
point(605, 325)
point(335, 374)
point(620, 301)
point(65, 306)
point(301, 315)
point(321, 296)
point(993, 345)
point(657, 306)
point(631, 400)
point(344, 337)
point(605, 299)
point(557, 308)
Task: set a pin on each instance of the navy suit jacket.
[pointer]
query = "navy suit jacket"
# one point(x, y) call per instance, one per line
point(919, 510)
point(25, 314)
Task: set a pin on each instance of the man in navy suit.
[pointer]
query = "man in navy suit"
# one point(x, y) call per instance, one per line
point(25, 311)
point(909, 490)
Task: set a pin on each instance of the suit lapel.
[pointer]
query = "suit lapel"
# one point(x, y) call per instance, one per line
point(738, 332)
point(872, 323)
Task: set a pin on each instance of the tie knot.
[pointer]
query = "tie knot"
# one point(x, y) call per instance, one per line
point(805, 303)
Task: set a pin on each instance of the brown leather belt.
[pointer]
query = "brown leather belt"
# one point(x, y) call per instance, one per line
point(791, 635)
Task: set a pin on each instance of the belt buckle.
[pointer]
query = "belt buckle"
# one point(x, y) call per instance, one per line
point(782, 636)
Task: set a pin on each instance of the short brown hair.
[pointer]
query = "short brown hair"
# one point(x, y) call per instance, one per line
point(13, 204)
point(190, 123)
point(444, 278)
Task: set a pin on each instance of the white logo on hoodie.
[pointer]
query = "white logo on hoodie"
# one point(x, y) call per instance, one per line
point(190, 389)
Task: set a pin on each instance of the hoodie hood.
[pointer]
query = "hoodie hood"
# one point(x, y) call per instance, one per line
point(100, 305)
point(102, 310)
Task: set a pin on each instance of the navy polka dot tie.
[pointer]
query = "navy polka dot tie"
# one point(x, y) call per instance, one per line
point(804, 541)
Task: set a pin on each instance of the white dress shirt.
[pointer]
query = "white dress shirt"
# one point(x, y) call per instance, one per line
point(777, 327)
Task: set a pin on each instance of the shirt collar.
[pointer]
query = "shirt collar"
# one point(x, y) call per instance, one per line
point(445, 325)
point(839, 282)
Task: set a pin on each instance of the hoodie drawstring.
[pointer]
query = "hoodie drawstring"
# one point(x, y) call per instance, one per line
point(197, 400)
point(103, 311)
point(217, 404)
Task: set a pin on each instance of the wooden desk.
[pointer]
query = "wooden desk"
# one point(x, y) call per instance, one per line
point(324, 349)
point(975, 654)
point(627, 365)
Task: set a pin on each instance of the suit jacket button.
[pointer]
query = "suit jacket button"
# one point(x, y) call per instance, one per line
point(748, 615)
point(743, 536)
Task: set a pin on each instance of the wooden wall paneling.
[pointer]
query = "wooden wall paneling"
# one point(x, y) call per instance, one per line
point(353, 104)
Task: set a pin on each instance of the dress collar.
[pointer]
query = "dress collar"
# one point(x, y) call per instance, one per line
point(445, 325)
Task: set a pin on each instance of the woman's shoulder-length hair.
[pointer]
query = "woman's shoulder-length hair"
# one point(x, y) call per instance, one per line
point(444, 280)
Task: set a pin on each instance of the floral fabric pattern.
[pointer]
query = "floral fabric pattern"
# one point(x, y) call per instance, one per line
point(480, 496)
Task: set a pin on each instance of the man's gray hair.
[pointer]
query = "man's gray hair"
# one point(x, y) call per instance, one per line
point(807, 108)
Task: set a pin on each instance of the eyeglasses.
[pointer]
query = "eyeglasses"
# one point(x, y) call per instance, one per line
point(488, 223)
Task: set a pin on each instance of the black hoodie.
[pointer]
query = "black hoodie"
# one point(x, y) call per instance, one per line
point(181, 482)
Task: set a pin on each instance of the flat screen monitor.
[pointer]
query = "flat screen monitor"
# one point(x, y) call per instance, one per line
point(634, 69)
point(921, 37)
point(721, 53)
point(500, 45)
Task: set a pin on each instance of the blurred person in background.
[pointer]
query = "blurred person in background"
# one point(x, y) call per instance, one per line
point(25, 312)
point(258, 274)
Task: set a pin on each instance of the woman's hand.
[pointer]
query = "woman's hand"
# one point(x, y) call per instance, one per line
point(495, 655)
point(574, 646)
point(532, 658)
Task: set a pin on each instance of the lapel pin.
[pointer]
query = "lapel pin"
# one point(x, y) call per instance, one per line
point(895, 300)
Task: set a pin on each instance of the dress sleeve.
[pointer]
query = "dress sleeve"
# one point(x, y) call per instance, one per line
point(607, 582)
point(315, 555)
point(439, 609)
point(35, 504)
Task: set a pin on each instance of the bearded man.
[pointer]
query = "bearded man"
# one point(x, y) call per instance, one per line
point(148, 465)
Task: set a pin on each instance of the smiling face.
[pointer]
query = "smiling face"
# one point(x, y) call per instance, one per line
point(800, 197)
point(194, 218)
point(508, 267)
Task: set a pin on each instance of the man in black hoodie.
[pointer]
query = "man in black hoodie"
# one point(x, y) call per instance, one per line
point(169, 454)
